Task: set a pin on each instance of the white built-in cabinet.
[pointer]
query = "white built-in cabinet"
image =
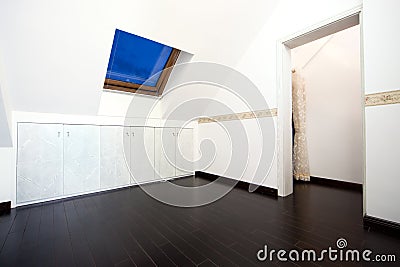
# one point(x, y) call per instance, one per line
point(174, 152)
point(114, 156)
point(58, 160)
point(142, 154)
point(184, 152)
point(165, 146)
point(81, 158)
point(40, 161)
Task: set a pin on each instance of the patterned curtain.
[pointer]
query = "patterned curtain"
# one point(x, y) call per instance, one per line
point(301, 168)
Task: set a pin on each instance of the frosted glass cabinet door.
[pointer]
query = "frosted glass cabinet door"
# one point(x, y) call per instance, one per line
point(81, 158)
point(114, 169)
point(142, 154)
point(184, 152)
point(40, 161)
point(165, 143)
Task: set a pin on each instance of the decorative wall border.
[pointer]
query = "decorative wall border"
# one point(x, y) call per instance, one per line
point(241, 116)
point(382, 98)
point(376, 99)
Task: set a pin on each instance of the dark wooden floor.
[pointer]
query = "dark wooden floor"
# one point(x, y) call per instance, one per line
point(128, 228)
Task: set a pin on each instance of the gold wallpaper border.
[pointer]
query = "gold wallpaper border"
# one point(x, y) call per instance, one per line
point(382, 98)
point(241, 116)
point(375, 99)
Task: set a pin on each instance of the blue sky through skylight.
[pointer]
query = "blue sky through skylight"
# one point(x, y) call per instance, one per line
point(136, 59)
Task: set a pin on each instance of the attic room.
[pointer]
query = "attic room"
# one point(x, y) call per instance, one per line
point(187, 133)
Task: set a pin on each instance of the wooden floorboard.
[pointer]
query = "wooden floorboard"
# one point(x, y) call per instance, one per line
point(129, 228)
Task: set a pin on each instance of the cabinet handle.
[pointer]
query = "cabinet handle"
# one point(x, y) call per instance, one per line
point(127, 133)
point(133, 134)
point(59, 134)
point(68, 134)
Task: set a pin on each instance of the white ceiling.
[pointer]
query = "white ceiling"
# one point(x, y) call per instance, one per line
point(56, 52)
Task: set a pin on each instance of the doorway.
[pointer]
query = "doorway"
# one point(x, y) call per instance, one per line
point(284, 85)
point(327, 108)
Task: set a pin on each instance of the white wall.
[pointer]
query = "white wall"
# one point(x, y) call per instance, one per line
point(259, 64)
point(5, 110)
point(381, 45)
point(331, 68)
point(382, 175)
point(250, 150)
point(381, 64)
point(7, 159)
point(5, 134)
point(288, 17)
point(7, 174)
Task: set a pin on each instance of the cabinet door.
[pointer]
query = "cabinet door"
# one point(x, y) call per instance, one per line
point(114, 155)
point(40, 161)
point(165, 143)
point(81, 158)
point(142, 154)
point(184, 152)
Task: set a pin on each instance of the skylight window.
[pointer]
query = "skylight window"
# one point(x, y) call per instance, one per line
point(136, 62)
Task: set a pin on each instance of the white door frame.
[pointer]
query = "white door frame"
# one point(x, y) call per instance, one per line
point(284, 88)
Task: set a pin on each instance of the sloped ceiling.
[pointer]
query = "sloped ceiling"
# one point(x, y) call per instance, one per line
point(5, 132)
point(56, 52)
point(5, 110)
